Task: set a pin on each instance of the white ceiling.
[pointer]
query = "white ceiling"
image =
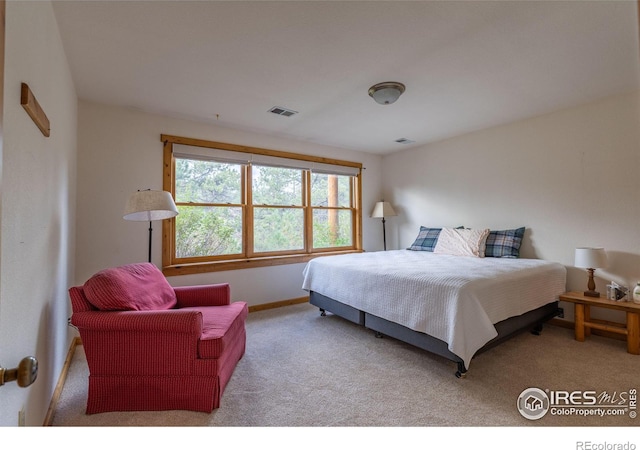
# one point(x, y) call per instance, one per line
point(467, 65)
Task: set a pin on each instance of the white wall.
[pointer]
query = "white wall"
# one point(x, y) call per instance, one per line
point(38, 190)
point(570, 177)
point(119, 151)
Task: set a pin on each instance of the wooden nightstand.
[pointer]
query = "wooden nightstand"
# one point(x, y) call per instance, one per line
point(584, 323)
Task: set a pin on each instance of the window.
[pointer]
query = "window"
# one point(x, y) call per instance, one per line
point(278, 209)
point(209, 198)
point(243, 207)
point(331, 197)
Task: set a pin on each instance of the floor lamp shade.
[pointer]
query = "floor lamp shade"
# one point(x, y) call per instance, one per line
point(147, 206)
point(382, 210)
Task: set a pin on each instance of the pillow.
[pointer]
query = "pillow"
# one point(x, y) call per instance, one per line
point(134, 287)
point(462, 242)
point(426, 240)
point(504, 243)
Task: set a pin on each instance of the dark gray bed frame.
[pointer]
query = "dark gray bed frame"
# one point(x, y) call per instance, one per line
point(532, 321)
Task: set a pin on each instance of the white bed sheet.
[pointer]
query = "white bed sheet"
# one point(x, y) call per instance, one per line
point(454, 298)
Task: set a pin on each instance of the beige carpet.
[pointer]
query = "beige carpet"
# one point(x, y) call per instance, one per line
point(304, 370)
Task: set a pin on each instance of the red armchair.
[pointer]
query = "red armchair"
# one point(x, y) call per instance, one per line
point(152, 347)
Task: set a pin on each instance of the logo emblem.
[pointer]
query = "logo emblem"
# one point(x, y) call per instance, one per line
point(533, 403)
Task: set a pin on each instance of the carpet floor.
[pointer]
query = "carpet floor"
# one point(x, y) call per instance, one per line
point(304, 370)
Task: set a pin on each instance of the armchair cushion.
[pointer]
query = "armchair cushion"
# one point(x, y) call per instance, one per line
point(220, 328)
point(133, 287)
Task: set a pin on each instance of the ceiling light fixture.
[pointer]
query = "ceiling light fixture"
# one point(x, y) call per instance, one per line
point(386, 93)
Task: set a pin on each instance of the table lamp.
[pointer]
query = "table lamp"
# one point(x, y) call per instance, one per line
point(591, 258)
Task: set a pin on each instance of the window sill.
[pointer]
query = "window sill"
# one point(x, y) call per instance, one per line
point(218, 266)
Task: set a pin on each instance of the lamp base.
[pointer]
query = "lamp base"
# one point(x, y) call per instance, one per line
point(591, 285)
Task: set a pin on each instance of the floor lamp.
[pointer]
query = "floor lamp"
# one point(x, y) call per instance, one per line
point(382, 210)
point(149, 205)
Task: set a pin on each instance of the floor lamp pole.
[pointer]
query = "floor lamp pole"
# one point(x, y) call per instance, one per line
point(384, 235)
point(150, 231)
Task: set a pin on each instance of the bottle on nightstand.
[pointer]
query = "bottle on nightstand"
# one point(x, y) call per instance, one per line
point(636, 293)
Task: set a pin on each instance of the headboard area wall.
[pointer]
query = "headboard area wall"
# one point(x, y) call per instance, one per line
point(570, 178)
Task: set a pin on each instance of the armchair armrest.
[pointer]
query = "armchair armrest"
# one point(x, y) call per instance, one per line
point(204, 295)
point(140, 343)
point(167, 321)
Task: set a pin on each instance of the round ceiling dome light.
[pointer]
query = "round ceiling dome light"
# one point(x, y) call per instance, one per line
point(386, 93)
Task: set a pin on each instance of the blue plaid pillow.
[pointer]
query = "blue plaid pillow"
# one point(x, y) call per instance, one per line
point(504, 243)
point(426, 240)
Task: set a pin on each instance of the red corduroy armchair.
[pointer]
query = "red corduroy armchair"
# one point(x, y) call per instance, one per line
point(150, 346)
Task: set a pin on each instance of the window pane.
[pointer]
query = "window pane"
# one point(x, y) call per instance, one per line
point(208, 231)
point(332, 228)
point(208, 182)
point(330, 190)
point(276, 186)
point(278, 229)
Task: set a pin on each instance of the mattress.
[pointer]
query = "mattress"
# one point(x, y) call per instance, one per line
point(456, 299)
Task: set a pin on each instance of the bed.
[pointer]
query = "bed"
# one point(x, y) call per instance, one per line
point(454, 306)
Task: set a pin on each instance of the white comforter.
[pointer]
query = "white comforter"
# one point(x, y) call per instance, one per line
point(454, 298)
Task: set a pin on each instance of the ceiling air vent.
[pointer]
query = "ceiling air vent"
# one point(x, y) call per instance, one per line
point(279, 110)
point(404, 141)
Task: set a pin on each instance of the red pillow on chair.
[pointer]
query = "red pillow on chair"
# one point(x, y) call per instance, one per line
point(134, 287)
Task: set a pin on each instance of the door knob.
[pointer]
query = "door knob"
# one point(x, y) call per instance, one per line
point(25, 374)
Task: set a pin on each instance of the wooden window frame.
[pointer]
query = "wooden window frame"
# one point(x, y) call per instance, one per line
point(212, 264)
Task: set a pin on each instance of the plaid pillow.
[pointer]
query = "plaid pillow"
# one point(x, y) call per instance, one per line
point(426, 240)
point(504, 243)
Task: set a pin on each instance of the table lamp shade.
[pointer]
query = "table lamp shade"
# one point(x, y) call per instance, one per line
point(149, 205)
point(590, 257)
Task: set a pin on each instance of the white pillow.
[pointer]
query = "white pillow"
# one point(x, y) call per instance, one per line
point(462, 242)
